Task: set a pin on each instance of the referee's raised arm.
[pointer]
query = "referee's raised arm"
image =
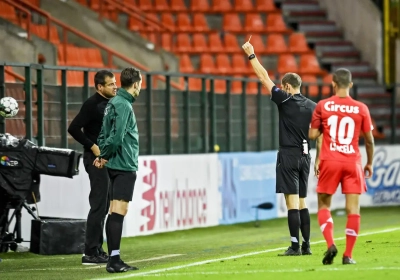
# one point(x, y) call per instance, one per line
point(260, 71)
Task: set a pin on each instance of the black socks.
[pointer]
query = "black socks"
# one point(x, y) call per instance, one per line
point(294, 226)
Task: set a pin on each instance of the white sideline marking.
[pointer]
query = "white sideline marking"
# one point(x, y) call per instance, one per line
point(352, 268)
point(99, 266)
point(231, 257)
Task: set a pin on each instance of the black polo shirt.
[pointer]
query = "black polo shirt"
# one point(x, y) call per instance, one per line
point(295, 113)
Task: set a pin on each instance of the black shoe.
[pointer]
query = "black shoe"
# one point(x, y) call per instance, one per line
point(291, 252)
point(330, 255)
point(119, 266)
point(93, 260)
point(103, 254)
point(305, 248)
point(348, 260)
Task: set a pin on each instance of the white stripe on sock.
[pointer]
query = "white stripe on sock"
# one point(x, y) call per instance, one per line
point(350, 231)
point(114, 253)
point(294, 239)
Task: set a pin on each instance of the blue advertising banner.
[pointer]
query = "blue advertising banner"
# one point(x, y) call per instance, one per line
point(247, 180)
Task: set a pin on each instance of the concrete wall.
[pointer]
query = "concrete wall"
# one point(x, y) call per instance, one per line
point(16, 48)
point(361, 23)
point(115, 37)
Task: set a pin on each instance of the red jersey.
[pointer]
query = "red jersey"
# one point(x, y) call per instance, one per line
point(341, 119)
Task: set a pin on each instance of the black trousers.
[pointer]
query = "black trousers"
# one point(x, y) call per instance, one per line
point(99, 204)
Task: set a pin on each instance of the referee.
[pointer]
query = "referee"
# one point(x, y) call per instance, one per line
point(293, 159)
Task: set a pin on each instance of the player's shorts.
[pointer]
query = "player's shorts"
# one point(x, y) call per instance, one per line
point(349, 174)
point(122, 184)
point(292, 171)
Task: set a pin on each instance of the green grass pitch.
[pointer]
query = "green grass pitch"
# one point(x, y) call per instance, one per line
point(239, 251)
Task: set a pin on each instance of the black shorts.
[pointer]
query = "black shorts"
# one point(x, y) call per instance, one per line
point(122, 184)
point(292, 171)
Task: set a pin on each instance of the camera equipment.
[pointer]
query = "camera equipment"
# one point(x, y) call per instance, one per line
point(21, 164)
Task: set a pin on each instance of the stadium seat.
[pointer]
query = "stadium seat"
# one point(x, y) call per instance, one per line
point(199, 22)
point(183, 43)
point(231, 22)
point(185, 65)
point(231, 44)
point(253, 22)
point(258, 44)
point(135, 24)
point(265, 6)
point(239, 65)
point(207, 65)
point(313, 90)
point(195, 84)
point(166, 42)
point(327, 88)
point(223, 64)
point(41, 31)
point(275, 23)
point(298, 43)
point(183, 22)
point(199, 43)
point(168, 20)
point(243, 6)
point(214, 43)
point(8, 12)
point(221, 6)
point(276, 44)
point(220, 86)
point(160, 5)
point(287, 63)
point(178, 6)
point(236, 86)
point(200, 6)
point(144, 5)
point(309, 65)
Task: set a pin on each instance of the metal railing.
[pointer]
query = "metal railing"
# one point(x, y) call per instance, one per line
point(170, 121)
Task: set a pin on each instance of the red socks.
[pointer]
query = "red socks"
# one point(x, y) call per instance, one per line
point(326, 224)
point(352, 229)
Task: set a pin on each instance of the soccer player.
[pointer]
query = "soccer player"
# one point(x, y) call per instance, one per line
point(293, 159)
point(341, 119)
point(90, 118)
point(119, 146)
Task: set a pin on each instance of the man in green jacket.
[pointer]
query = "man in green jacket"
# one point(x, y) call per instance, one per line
point(119, 145)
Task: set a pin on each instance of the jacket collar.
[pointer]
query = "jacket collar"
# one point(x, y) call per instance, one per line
point(126, 95)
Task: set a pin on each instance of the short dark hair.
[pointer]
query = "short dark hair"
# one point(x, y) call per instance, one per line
point(100, 77)
point(292, 79)
point(129, 76)
point(342, 77)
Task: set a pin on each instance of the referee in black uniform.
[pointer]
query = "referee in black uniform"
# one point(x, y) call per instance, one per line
point(293, 159)
point(90, 119)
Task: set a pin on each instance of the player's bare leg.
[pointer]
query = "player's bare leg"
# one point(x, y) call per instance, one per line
point(292, 203)
point(352, 226)
point(304, 226)
point(326, 224)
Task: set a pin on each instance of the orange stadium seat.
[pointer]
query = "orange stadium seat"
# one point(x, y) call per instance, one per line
point(178, 6)
point(327, 88)
point(236, 86)
point(223, 64)
point(134, 24)
point(276, 44)
point(41, 31)
point(185, 65)
point(166, 41)
point(144, 5)
point(161, 5)
point(239, 65)
point(310, 65)
point(312, 89)
point(287, 63)
point(207, 65)
point(220, 86)
point(253, 22)
point(298, 43)
point(183, 43)
point(8, 12)
point(258, 43)
point(231, 22)
point(200, 6)
point(275, 23)
point(200, 23)
point(183, 22)
point(230, 43)
point(199, 43)
point(214, 43)
point(244, 5)
point(168, 20)
point(221, 6)
point(265, 6)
